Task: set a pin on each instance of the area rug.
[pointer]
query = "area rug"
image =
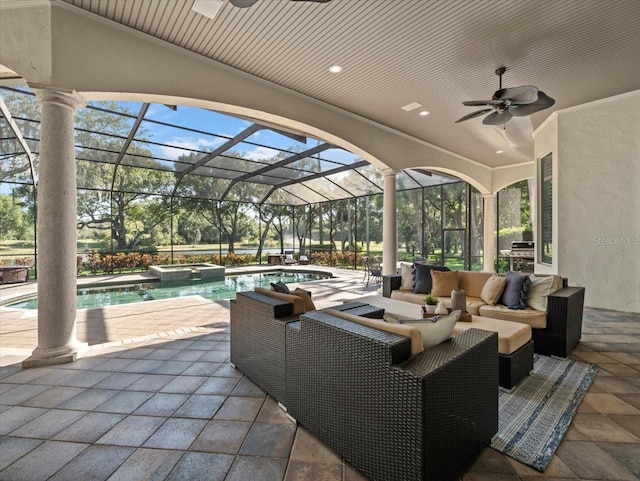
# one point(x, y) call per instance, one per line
point(534, 417)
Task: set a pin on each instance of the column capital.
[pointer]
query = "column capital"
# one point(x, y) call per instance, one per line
point(389, 172)
point(488, 196)
point(52, 95)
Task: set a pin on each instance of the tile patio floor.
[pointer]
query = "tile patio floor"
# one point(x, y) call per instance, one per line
point(155, 398)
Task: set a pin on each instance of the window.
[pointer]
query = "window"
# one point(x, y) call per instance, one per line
point(545, 253)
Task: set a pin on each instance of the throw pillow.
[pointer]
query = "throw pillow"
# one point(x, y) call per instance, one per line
point(515, 291)
point(406, 273)
point(539, 289)
point(443, 283)
point(280, 287)
point(304, 295)
point(435, 331)
point(423, 282)
point(492, 289)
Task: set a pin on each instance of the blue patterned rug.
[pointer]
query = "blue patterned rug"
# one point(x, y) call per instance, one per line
point(534, 418)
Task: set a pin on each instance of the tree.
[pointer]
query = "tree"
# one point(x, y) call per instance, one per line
point(11, 219)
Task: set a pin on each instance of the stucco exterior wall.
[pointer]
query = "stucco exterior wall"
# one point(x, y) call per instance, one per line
point(597, 198)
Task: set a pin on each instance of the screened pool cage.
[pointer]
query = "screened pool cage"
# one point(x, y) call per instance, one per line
point(165, 183)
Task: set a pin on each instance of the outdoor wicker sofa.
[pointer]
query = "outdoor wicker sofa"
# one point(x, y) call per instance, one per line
point(563, 318)
point(391, 415)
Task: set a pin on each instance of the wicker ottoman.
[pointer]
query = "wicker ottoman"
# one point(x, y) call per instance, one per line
point(515, 347)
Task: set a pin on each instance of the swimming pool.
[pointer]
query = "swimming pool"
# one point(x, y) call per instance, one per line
point(91, 297)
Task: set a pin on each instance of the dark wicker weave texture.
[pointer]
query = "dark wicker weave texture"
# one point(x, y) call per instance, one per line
point(515, 366)
point(392, 416)
point(258, 340)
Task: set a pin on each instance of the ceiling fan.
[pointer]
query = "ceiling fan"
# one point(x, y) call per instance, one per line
point(248, 3)
point(509, 102)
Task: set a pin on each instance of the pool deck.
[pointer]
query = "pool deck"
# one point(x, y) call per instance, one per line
point(155, 396)
point(107, 327)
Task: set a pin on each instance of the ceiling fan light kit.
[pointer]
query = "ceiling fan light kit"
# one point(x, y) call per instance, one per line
point(509, 102)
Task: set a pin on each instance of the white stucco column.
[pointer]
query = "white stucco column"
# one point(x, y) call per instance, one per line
point(489, 224)
point(57, 342)
point(389, 223)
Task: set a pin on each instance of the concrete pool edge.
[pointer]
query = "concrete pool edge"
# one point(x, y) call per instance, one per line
point(14, 293)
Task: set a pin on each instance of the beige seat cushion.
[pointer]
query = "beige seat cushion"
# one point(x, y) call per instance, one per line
point(536, 319)
point(298, 302)
point(473, 304)
point(408, 296)
point(443, 282)
point(511, 335)
point(472, 282)
point(402, 309)
point(406, 331)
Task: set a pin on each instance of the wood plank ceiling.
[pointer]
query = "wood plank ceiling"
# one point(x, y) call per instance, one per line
point(436, 53)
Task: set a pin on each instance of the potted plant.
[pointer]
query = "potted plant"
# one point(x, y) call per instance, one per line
point(430, 303)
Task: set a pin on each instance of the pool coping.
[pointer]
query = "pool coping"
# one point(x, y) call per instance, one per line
point(27, 290)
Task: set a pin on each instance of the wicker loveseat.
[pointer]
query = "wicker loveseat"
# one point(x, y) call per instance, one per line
point(556, 332)
point(391, 415)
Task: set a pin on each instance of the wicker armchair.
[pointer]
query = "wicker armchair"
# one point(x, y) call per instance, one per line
point(258, 340)
point(392, 416)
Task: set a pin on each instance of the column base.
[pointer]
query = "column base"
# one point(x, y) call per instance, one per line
point(51, 357)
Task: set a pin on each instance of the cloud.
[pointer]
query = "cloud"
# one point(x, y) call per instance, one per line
point(260, 153)
point(173, 148)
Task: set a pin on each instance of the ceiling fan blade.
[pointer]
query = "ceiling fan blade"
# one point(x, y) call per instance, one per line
point(543, 102)
point(473, 115)
point(242, 3)
point(475, 103)
point(526, 94)
point(497, 118)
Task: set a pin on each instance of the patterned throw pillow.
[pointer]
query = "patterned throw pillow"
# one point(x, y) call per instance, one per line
point(406, 273)
point(433, 333)
point(515, 291)
point(280, 287)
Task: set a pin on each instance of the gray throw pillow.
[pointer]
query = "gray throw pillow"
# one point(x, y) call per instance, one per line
point(280, 287)
point(515, 291)
point(423, 283)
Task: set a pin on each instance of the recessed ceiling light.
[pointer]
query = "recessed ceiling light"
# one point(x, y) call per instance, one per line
point(499, 151)
point(411, 106)
point(424, 113)
point(335, 69)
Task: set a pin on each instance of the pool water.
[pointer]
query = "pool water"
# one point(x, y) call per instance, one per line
point(91, 297)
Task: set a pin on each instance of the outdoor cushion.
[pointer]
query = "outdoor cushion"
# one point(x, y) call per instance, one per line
point(536, 319)
point(407, 276)
point(280, 287)
point(473, 304)
point(539, 289)
point(408, 296)
point(423, 282)
point(511, 335)
point(493, 288)
point(443, 282)
point(435, 331)
point(515, 291)
point(308, 303)
point(401, 329)
point(298, 302)
point(472, 282)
